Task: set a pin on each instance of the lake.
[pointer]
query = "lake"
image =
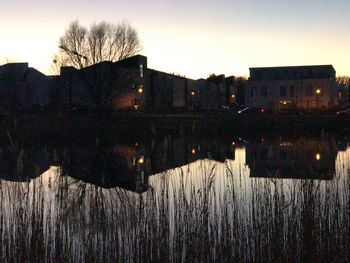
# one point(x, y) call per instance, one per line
point(175, 197)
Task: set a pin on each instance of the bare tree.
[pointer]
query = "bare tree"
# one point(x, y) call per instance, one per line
point(343, 81)
point(81, 47)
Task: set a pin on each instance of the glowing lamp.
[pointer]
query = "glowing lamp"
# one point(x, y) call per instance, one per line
point(262, 110)
point(318, 91)
point(193, 93)
point(193, 151)
point(141, 160)
point(140, 90)
point(318, 157)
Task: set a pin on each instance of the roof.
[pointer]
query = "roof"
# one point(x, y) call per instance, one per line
point(292, 72)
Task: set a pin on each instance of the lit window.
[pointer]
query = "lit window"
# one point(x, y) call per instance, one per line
point(141, 71)
point(140, 89)
point(193, 93)
point(318, 91)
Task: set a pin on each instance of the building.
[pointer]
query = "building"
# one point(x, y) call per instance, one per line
point(301, 87)
point(129, 85)
point(22, 87)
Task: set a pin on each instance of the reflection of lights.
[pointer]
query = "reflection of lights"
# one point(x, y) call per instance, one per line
point(193, 151)
point(136, 144)
point(262, 140)
point(285, 102)
point(193, 93)
point(262, 110)
point(141, 160)
point(233, 96)
point(318, 157)
point(136, 107)
point(318, 91)
point(233, 143)
point(285, 144)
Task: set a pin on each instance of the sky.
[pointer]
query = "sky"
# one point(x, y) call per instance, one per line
point(190, 37)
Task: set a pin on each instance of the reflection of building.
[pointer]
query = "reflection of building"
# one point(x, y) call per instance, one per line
point(303, 158)
point(23, 163)
point(125, 165)
point(122, 166)
point(172, 151)
point(283, 88)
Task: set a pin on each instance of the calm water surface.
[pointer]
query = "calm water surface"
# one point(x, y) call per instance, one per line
point(175, 198)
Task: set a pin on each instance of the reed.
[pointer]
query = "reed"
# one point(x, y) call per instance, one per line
point(202, 212)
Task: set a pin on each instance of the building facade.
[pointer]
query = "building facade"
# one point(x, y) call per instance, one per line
point(301, 87)
point(21, 87)
point(129, 85)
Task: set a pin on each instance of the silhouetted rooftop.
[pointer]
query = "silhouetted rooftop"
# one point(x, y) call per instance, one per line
point(292, 72)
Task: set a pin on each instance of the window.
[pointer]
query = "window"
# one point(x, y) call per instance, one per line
point(308, 91)
point(283, 91)
point(263, 91)
point(292, 91)
point(141, 71)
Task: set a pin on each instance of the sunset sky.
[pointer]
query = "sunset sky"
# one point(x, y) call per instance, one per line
point(192, 37)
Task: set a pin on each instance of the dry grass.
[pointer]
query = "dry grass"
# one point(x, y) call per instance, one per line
point(203, 212)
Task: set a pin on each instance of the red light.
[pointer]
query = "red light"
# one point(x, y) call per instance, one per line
point(262, 110)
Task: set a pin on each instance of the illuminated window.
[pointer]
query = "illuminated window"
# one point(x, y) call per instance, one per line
point(141, 71)
point(193, 93)
point(140, 89)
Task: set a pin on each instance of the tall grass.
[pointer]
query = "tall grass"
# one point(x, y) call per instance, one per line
point(203, 212)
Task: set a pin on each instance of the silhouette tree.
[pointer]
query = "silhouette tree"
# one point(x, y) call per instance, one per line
point(343, 84)
point(81, 47)
point(101, 44)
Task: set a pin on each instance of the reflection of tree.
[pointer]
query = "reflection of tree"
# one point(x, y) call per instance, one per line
point(204, 211)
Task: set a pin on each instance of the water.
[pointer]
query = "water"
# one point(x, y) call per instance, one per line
point(175, 197)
